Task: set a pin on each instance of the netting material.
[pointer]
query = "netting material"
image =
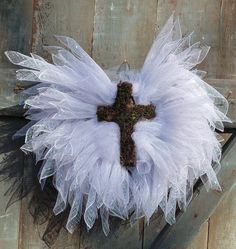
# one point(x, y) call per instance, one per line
point(82, 155)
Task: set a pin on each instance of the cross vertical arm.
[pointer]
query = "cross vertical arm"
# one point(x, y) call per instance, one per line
point(126, 114)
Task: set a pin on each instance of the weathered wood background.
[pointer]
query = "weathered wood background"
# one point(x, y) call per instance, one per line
point(111, 32)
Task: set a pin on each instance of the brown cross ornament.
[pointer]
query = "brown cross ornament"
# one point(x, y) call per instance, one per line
point(126, 114)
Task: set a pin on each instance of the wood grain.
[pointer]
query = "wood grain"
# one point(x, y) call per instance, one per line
point(31, 234)
point(157, 223)
point(200, 240)
point(202, 17)
point(15, 33)
point(10, 218)
point(72, 18)
point(10, 90)
point(15, 27)
point(222, 225)
point(227, 40)
point(123, 30)
point(122, 235)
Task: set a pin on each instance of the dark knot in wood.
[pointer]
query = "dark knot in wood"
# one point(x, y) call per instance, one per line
point(126, 114)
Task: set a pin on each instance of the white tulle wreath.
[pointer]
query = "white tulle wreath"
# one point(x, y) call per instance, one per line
point(173, 150)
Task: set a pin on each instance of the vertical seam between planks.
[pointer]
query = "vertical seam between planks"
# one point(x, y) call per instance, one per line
point(141, 231)
point(20, 229)
point(92, 38)
point(220, 52)
point(208, 233)
point(79, 227)
point(156, 29)
point(34, 24)
point(21, 225)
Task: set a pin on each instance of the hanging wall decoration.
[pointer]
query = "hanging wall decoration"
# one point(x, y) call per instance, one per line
point(122, 147)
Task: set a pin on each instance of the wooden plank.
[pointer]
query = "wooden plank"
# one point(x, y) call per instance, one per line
point(209, 20)
point(200, 209)
point(10, 93)
point(200, 240)
point(155, 226)
point(202, 17)
point(72, 18)
point(122, 235)
point(15, 27)
point(222, 225)
point(31, 234)
point(123, 30)
point(227, 40)
point(9, 219)
point(15, 33)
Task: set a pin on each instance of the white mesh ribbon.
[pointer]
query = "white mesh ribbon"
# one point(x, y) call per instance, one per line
point(173, 150)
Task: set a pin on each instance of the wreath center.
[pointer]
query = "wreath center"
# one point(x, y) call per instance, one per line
point(126, 114)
